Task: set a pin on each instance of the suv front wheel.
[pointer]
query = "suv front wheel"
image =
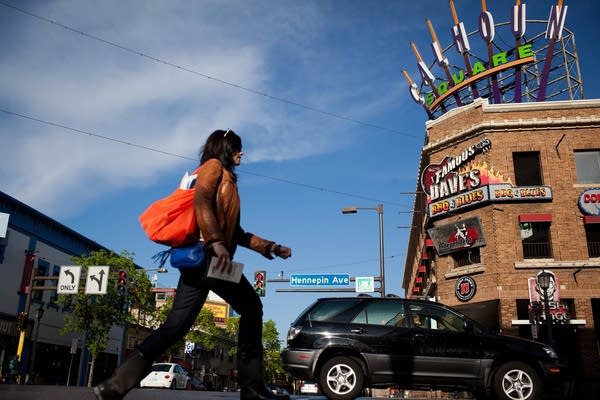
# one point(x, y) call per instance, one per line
point(516, 381)
point(341, 378)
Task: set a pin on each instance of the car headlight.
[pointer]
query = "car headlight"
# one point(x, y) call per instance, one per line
point(293, 332)
point(550, 352)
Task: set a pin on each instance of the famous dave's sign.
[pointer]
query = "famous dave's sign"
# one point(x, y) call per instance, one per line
point(500, 72)
point(459, 182)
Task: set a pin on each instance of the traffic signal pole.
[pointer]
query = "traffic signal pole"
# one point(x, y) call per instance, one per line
point(25, 315)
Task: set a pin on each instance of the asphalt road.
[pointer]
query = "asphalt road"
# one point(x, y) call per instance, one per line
point(42, 392)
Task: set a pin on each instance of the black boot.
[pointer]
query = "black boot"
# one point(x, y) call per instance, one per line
point(249, 393)
point(129, 374)
point(250, 375)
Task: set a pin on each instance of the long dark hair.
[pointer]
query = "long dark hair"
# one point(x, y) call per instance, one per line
point(222, 145)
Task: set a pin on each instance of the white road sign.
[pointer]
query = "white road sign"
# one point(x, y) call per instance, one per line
point(97, 279)
point(3, 224)
point(365, 284)
point(68, 279)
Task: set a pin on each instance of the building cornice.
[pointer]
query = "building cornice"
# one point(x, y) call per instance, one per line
point(520, 124)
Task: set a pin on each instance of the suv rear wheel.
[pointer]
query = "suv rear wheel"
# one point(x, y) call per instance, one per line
point(516, 381)
point(341, 378)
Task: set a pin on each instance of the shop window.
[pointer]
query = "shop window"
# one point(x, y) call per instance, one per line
point(592, 235)
point(535, 237)
point(528, 170)
point(467, 257)
point(587, 164)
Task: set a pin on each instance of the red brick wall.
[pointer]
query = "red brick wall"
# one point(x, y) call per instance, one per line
point(556, 130)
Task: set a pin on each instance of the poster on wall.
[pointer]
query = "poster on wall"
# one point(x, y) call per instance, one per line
point(460, 235)
point(536, 294)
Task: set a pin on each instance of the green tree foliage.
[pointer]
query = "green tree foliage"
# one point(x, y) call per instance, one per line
point(204, 331)
point(272, 351)
point(93, 315)
point(231, 329)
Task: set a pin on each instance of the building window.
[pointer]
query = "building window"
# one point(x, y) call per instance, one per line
point(535, 237)
point(3, 246)
point(528, 170)
point(592, 235)
point(161, 296)
point(467, 257)
point(55, 272)
point(587, 164)
point(41, 270)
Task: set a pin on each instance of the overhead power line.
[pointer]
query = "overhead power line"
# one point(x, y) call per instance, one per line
point(168, 153)
point(219, 80)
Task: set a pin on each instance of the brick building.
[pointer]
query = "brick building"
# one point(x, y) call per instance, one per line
point(504, 192)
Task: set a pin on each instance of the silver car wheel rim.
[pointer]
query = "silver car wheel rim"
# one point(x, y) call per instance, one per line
point(341, 379)
point(517, 384)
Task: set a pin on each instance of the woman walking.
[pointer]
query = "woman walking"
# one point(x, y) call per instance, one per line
point(217, 206)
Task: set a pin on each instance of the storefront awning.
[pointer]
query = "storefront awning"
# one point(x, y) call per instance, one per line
point(535, 218)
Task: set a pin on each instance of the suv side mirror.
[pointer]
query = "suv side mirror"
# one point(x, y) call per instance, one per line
point(468, 327)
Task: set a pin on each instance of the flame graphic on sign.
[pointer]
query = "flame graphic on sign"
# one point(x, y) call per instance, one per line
point(487, 174)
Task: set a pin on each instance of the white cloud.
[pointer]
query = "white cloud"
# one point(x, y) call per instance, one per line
point(57, 75)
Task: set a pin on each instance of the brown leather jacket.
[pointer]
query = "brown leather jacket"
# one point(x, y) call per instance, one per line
point(217, 205)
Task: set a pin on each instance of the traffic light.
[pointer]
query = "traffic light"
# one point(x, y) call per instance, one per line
point(122, 283)
point(260, 282)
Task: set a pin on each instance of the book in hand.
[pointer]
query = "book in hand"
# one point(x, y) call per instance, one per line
point(216, 273)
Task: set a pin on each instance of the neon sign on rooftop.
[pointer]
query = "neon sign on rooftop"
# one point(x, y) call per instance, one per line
point(502, 76)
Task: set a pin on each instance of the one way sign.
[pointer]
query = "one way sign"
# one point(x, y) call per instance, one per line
point(97, 279)
point(68, 279)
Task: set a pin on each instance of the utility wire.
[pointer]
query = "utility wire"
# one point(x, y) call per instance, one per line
point(168, 153)
point(222, 81)
point(317, 268)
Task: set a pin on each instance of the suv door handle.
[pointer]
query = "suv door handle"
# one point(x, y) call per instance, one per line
point(358, 330)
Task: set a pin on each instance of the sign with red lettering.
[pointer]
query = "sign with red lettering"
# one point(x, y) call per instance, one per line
point(589, 201)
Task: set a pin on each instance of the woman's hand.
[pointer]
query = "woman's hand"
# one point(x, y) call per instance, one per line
point(223, 258)
point(283, 251)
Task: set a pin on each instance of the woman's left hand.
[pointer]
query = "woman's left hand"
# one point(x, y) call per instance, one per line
point(283, 252)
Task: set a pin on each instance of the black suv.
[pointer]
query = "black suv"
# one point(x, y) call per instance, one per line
point(347, 344)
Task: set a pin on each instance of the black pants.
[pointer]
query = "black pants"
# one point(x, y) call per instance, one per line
point(192, 290)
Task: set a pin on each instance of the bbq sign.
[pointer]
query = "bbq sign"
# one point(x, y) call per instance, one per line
point(459, 182)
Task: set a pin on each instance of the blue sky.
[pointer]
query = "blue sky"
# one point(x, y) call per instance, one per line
point(314, 88)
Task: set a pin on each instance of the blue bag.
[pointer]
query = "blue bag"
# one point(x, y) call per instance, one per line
point(191, 256)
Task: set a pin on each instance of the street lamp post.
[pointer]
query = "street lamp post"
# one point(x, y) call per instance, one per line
point(161, 270)
point(39, 313)
point(543, 281)
point(379, 209)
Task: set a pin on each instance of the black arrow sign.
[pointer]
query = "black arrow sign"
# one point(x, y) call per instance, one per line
point(98, 280)
point(68, 272)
